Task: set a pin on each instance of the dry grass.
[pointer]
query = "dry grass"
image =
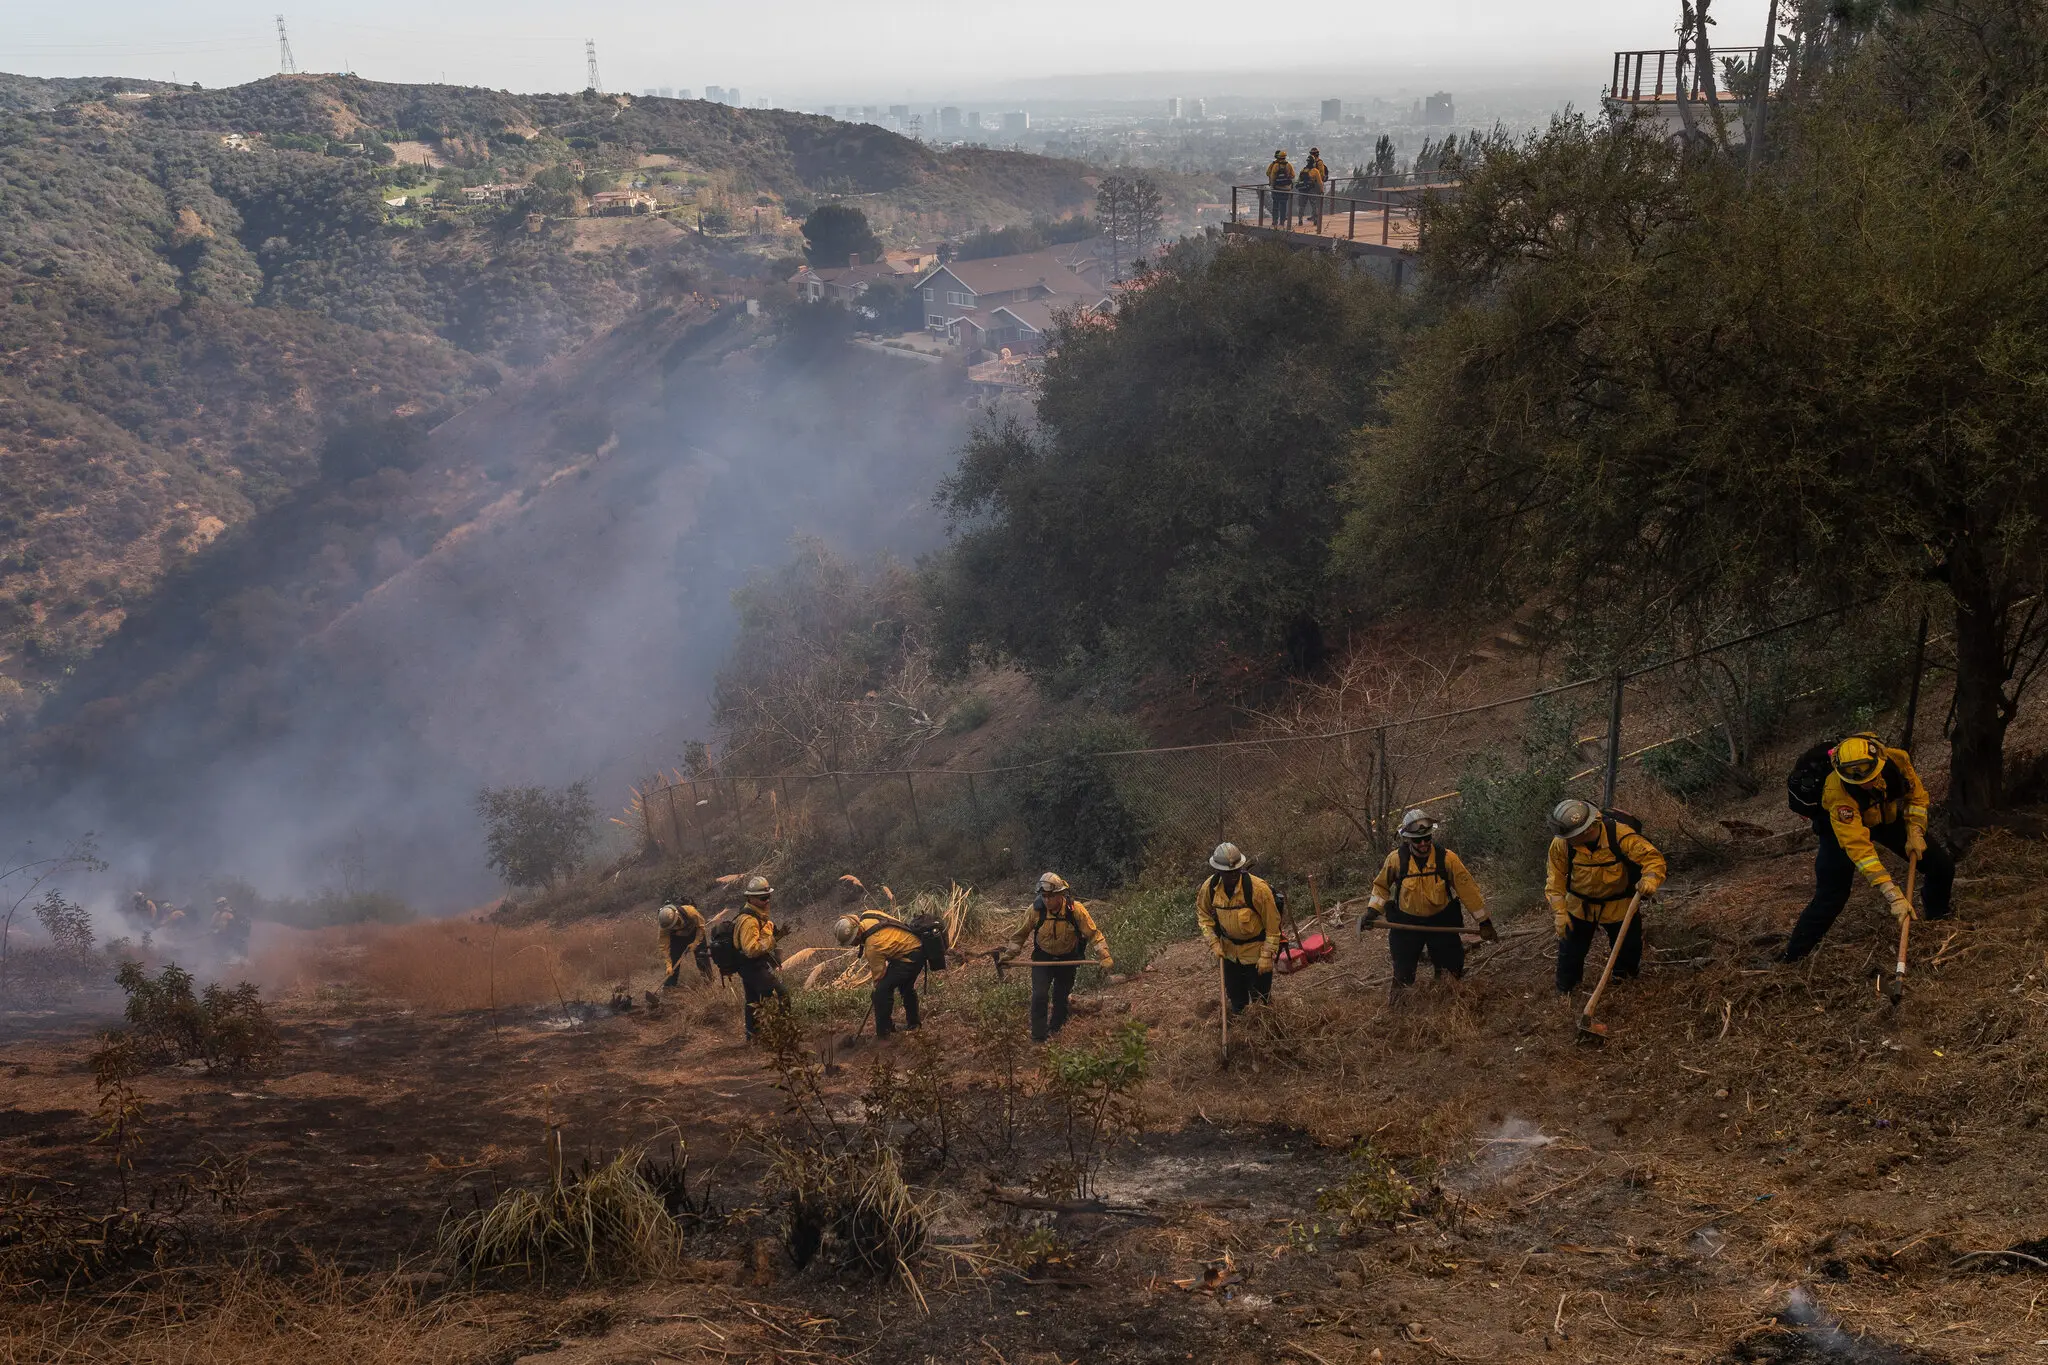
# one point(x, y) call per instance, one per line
point(249, 1317)
point(459, 964)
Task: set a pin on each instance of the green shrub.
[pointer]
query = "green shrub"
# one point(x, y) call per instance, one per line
point(1503, 810)
point(226, 1029)
point(1078, 818)
point(1143, 922)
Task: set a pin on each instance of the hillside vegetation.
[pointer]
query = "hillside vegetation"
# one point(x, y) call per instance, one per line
point(187, 327)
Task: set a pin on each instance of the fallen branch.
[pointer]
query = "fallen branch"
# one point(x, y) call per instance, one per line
point(2016, 1255)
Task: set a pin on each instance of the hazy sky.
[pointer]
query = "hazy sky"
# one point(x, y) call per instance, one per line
point(813, 50)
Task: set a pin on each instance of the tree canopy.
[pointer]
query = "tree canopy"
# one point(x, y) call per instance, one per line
point(834, 233)
point(1173, 503)
point(1660, 384)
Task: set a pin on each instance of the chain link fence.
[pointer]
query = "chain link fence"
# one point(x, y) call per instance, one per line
point(1305, 799)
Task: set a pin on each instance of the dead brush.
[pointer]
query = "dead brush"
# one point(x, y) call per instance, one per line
point(1292, 1034)
point(251, 1316)
point(849, 1209)
point(599, 1223)
point(461, 964)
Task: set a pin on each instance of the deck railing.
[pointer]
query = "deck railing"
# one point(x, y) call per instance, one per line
point(1389, 216)
point(1655, 75)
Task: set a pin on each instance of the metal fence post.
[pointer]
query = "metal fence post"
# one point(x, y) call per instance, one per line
point(1613, 741)
point(916, 817)
point(1913, 697)
point(840, 791)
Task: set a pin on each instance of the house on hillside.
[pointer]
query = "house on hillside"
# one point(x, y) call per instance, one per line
point(961, 298)
point(621, 201)
point(841, 284)
point(1021, 327)
point(491, 194)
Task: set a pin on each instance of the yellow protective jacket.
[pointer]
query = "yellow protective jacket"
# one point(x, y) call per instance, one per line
point(1429, 885)
point(1280, 174)
point(679, 940)
point(1314, 175)
point(885, 942)
point(753, 933)
point(1591, 883)
point(1245, 923)
point(1854, 811)
point(1061, 936)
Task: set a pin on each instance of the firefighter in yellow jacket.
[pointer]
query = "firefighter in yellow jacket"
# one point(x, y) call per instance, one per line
point(1872, 796)
point(894, 956)
point(1598, 861)
point(1425, 884)
point(1059, 928)
point(753, 933)
point(682, 929)
point(1240, 920)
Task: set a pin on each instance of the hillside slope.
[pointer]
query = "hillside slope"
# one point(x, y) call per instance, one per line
point(204, 313)
point(540, 593)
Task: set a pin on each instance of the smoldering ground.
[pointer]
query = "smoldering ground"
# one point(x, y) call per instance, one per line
point(546, 599)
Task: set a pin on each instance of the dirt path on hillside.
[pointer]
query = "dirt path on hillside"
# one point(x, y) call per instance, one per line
point(1761, 1165)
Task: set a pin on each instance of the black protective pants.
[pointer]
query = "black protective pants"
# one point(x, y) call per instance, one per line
point(1050, 987)
point(899, 979)
point(1571, 950)
point(1282, 201)
point(1446, 951)
point(1834, 877)
point(678, 955)
point(759, 981)
point(1244, 983)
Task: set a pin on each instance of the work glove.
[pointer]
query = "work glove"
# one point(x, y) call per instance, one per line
point(1371, 916)
point(1564, 923)
point(1216, 947)
point(1108, 964)
point(1265, 966)
point(1916, 842)
point(1896, 902)
point(1487, 932)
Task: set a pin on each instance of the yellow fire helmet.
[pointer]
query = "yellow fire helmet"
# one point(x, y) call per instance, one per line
point(1859, 759)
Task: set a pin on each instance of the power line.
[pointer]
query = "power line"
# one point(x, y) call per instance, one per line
point(285, 65)
point(591, 81)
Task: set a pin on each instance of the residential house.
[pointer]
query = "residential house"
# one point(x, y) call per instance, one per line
point(621, 201)
point(492, 194)
point(970, 291)
point(843, 283)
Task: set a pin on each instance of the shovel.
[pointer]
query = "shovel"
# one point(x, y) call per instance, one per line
point(1223, 1001)
point(1895, 988)
point(1591, 1031)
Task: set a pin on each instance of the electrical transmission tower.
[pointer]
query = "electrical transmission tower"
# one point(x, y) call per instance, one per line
point(590, 77)
point(285, 65)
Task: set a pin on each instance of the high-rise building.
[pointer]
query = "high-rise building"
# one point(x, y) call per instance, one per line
point(973, 124)
point(830, 111)
point(900, 112)
point(1017, 121)
point(949, 121)
point(1438, 109)
point(1201, 109)
point(871, 112)
point(1333, 111)
point(682, 92)
point(715, 93)
point(1173, 107)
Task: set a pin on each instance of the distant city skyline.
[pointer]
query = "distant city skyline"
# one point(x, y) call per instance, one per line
point(1148, 49)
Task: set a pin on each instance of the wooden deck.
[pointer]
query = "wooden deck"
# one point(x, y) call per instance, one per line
point(1398, 238)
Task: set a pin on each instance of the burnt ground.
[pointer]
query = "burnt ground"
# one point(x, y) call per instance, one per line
point(1761, 1164)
